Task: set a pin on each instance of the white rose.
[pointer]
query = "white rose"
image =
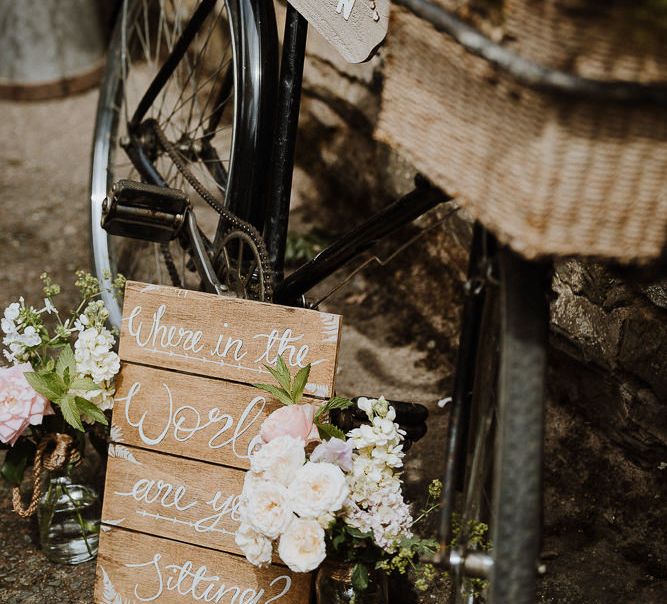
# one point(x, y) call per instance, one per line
point(302, 546)
point(279, 460)
point(256, 547)
point(318, 489)
point(266, 508)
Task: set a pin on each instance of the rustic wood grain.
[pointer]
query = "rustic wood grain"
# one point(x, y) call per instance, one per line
point(187, 415)
point(225, 337)
point(185, 418)
point(167, 496)
point(356, 37)
point(135, 568)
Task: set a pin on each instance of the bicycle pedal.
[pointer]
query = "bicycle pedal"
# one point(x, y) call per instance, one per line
point(143, 211)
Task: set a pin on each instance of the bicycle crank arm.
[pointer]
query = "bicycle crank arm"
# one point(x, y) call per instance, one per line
point(159, 214)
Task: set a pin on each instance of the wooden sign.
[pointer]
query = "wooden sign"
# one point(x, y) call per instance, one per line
point(354, 27)
point(184, 422)
point(134, 568)
point(225, 337)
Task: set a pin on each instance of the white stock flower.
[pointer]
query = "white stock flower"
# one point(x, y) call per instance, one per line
point(279, 460)
point(265, 507)
point(12, 312)
point(93, 354)
point(366, 405)
point(302, 546)
point(30, 337)
point(49, 307)
point(318, 489)
point(255, 546)
point(102, 398)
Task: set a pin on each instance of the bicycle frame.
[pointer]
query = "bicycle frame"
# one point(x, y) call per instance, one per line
point(270, 197)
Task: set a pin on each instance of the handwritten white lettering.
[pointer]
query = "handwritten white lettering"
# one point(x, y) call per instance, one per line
point(201, 584)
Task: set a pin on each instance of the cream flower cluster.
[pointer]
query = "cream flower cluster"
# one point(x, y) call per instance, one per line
point(376, 503)
point(94, 355)
point(18, 338)
point(288, 498)
point(295, 498)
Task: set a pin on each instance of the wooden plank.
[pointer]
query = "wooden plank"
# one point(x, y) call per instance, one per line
point(354, 27)
point(167, 496)
point(188, 415)
point(135, 568)
point(225, 337)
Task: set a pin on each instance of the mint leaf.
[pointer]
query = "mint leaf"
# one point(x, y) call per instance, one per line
point(66, 361)
point(281, 366)
point(328, 431)
point(337, 402)
point(70, 411)
point(279, 393)
point(360, 577)
point(356, 533)
point(281, 374)
point(300, 381)
point(47, 384)
point(16, 460)
point(92, 410)
point(84, 384)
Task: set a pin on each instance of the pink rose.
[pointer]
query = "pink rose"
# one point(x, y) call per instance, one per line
point(20, 405)
point(291, 420)
point(335, 451)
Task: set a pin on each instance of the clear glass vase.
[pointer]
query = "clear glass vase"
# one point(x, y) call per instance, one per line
point(333, 585)
point(69, 521)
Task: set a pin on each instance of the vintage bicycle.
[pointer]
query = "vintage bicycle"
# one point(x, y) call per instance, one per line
point(190, 185)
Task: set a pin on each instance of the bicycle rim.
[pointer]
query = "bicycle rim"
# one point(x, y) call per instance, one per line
point(196, 109)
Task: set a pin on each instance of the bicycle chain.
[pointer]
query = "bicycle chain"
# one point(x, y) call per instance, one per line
point(233, 221)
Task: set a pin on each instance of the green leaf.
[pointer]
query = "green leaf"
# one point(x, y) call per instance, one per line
point(70, 411)
point(337, 402)
point(360, 577)
point(84, 384)
point(300, 381)
point(16, 460)
point(328, 431)
point(338, 540)
point(66, 361)
point(92, 410)
point(48, 384)
point(356, 533)
point(281, 374)
point(279, 393)
point(283, 368)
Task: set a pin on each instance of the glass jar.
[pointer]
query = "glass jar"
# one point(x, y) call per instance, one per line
point(333, 585)
point(69, 521)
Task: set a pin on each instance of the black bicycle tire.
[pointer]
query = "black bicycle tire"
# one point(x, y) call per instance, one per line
point(518, 451)
point(503, 465)
point(255, 65)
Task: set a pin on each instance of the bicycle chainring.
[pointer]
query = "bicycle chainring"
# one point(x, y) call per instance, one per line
point(241, 235)
point(238, 264)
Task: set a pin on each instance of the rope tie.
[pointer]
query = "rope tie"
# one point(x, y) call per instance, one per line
point(54, 452)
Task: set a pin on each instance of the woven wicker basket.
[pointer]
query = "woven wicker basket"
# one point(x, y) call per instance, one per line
point(550, 174)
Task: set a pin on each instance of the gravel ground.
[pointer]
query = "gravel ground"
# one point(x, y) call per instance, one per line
point(599, 536)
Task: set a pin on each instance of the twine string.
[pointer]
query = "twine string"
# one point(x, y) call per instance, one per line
point(54, 452)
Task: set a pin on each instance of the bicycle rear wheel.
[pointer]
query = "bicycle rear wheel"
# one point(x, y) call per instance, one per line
point(215, 109)
point(499, 527)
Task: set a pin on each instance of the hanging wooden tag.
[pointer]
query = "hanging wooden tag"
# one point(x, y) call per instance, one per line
point(354, 27)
